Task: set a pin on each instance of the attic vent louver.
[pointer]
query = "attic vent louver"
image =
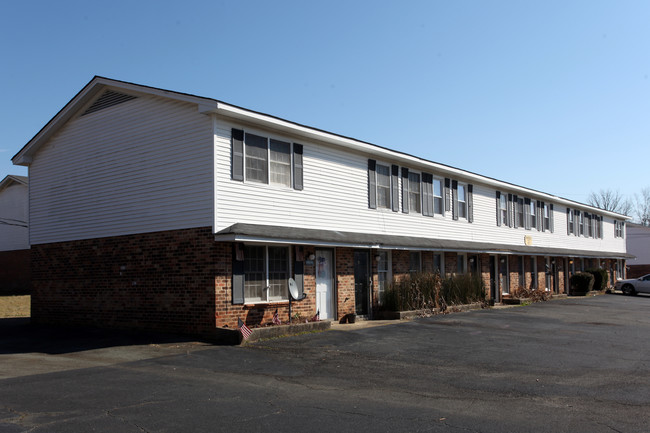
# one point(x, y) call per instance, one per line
point(108, 99)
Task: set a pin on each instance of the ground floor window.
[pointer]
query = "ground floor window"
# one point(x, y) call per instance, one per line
point(266, 271)
point(415, 262)
point(461, 263)
point(439, 264)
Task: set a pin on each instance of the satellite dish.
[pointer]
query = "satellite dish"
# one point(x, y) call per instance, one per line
point(294, 291)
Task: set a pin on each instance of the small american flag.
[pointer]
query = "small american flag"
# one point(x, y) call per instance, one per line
point(316, 317)
point(245, 330)
point(276, 319)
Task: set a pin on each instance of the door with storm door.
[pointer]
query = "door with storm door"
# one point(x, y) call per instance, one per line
point(362, 282)
point(325, 283)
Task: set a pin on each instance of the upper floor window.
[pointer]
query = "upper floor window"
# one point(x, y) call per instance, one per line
point(260, 159)
point(437, 197)
point(532, 214)
point(581, 223)
point(280, 156)
point(570, 222)
point(383, 186)
point(462, 201)
point(547, 217)
point(520, 213)
point(503, 209)
point(618, 229)
point(414, 193)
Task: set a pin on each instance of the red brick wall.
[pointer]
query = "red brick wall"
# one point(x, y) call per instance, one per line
point(636, 271)
point(175, 281)
point(15, 277)
point(159, 281)
point(345, 281)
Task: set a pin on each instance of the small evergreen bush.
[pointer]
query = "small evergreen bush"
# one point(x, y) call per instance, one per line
point(600, 278)
point(582, 282)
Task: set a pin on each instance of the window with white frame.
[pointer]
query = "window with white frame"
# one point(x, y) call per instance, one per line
point(547, 217)
point(280, 162)
point(266, 271)
point(618, 229)
point(571, 222)
point(257, 158)
point(414, 195)
point(581, 223)
point(383, 186)
point(520, 213)
point(437, 196)
point(531, 214)
point(462, 201)
point(503, 209)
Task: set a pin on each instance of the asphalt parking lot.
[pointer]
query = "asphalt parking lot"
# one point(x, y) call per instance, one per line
point(578, 364)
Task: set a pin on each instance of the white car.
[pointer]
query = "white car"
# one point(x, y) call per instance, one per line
point(634, 286)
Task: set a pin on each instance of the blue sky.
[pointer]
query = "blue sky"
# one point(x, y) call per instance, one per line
point(551, 95)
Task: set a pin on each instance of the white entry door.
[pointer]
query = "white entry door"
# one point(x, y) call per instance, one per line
point(325, 283)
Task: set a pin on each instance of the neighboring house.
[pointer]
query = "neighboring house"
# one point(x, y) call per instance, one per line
point(638, 245)
point(14, 235)
point(163, 210)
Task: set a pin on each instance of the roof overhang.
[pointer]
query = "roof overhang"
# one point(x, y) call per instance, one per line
point(13, 179)
point(257, 233)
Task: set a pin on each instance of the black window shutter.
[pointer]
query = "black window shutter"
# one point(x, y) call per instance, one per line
point(372, 184)
point(527, 214)
point(447, 194)
point(237, 275)
point(297, 166)
point(395, 187)
point(237, 169)
point(405, 190)
point(498, 208)
point(511, 220)
point(515, 210)
point(601, 227)
point(470, 203)
point(551, 219)
point(427, 194)
point(454, 199)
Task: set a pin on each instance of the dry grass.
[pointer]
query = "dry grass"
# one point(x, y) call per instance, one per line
point(14, 306)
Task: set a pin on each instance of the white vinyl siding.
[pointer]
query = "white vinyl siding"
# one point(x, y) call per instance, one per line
point(337, 199)
point(139, 166)
point(14, 234)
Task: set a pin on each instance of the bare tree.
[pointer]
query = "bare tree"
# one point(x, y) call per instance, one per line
point(642, 206)
point(610, 200)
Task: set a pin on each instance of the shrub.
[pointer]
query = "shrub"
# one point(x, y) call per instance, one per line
point(582, 282)
point(429, 291)
point(600, 278)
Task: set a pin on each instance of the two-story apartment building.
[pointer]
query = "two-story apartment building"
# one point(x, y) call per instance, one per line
point(14, 235)
point(163, 210)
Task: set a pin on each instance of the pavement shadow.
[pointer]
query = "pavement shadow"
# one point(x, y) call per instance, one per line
point(18, 335)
